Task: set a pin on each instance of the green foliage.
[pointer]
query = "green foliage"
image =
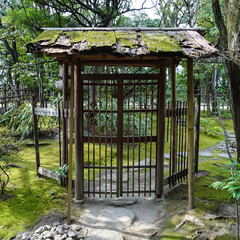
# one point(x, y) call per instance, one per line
point(62, 171)
point(8, 149)
point(232, 183)
point(19, 119)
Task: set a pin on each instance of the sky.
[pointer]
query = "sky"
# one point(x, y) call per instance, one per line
point(148, 4)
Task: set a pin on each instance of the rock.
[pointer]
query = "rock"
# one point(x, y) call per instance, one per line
point(167, 155)
point(47, 234)
point(39, 230)
point(104, 235)
point(76, 227)
point(25, 236)
point(166, 164)
point(53, 229)
point(58, 237)
point(71, 234)
point(205, 154)
point(65, 227)
point(224, 155)
point(60, 230)
point(47, 227)
point(56, 224)
point(119, 202)
point(116, 217)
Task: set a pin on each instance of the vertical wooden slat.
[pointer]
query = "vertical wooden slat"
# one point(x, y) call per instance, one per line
point(79, 162)
point(35, 134)
point(70, 148)
point(64, 118)
point(151, 134)
point(59, 134)
point(197, 131)
point(139, 134)
point(190, 97)
point(146, 127)
point(174, 126)
point(88, 129)
point(119, 136)
point(160, 132)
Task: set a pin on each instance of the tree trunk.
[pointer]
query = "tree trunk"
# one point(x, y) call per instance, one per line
point(233, 71)
point(231, 45)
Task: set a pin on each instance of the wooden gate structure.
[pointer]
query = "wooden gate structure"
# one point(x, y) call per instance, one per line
point(119, 139)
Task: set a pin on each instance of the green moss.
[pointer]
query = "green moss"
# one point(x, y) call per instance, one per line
point(31, 197)
point(100, 38)
point(76, 36)
point(160, 42)
point(50, 36)
point(127, 39)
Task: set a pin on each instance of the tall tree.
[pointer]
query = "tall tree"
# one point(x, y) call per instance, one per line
point(91, 13)
point(229, 46)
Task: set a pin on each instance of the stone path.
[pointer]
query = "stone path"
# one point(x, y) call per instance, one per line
point(123, 218)
point(106, 219)
point(117, 219)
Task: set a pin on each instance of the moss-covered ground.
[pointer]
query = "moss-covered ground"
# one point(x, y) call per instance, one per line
point(31, 197)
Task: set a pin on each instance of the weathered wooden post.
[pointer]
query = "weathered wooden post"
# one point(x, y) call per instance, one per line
point(70, 153)
point(197, 130)
point(79, 163)
point(190, 111)
point(161, 112)
point(173, 128)
point(65, 119)
point(35, 133)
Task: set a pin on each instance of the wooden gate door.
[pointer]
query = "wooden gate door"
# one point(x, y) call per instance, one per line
point(123, 134)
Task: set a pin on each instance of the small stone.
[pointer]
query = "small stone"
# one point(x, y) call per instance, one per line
point(64, 236)
point(58, 237)
point(76, 228)
point(25, 236)
point(47, 227)
point(60, 230)
point(65, 227)
point(39, 230)
point(56, 224)
point(72, 234)
point(47, 234)
point(80, 236)
point(53, 229)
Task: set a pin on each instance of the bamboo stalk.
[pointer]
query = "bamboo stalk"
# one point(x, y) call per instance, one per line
point(70, 149)
point(190, 113)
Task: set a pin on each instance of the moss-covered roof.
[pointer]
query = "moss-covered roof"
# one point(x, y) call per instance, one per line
point(131, 42)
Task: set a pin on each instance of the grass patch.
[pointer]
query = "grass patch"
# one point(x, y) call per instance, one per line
point(31, 197)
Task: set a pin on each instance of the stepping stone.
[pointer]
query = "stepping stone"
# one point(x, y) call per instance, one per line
point(123, 201)
point(205, 154)
point(224, 155)
point(166, 164)
point(116, 217)
point(167, 155)
point(101, 234)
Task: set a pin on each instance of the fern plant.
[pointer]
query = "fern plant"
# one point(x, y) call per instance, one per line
point(232, 185)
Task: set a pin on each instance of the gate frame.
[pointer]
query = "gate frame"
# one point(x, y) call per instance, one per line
point(77, 51)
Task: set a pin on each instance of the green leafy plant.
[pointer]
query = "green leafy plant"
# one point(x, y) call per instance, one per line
point(61, 171)
point(8, 149)
point(232, 185)
point(18, 119)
